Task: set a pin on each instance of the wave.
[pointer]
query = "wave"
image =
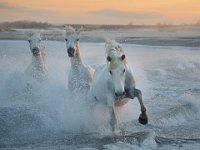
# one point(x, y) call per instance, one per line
point(184, 112)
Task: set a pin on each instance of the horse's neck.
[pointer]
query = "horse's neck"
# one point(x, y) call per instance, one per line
point(129, 80)
point(102, 77)
point(38, 61)
point(76, 61)
point(102, 84)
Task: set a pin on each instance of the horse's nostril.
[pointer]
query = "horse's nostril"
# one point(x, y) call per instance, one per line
point(35, 51)
point(70, 51)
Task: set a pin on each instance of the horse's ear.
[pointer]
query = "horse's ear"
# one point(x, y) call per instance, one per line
point(78, 31)
point(109, 59)
point(43, 35)
point(28, 35)
point(123, 57)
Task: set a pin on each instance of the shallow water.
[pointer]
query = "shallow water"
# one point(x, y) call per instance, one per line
point(48, 117)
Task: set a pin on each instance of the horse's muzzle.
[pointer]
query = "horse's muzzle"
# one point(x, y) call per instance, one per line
point(71, 52)
point(35, 51)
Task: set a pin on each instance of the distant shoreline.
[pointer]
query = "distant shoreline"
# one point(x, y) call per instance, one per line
point(187, 36)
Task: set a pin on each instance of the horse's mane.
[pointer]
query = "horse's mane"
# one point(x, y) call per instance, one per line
point(114, 50)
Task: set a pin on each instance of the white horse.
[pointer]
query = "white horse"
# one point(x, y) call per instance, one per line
point(113, 84)
point(37, 68)
point(80, 75)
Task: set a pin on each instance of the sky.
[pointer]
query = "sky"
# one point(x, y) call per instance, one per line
point(101, 11)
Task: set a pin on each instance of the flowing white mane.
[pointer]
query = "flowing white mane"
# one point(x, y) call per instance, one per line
point(114, 50)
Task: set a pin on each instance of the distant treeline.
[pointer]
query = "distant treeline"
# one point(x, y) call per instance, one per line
point(116, 27)
point(44, 25)
point(129, 26)
point(24, 25)
point(104, 27)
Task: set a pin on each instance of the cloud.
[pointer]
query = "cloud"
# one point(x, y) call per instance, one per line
point(5, 5)
point(127, 14)
point(23, 9)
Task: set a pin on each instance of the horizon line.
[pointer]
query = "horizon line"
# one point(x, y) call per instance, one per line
point(128, 24)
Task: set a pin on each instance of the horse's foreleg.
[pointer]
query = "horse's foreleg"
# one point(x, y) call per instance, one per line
point(143, 119)
point(113, 118)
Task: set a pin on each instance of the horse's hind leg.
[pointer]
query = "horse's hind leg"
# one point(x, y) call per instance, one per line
point(143, 119)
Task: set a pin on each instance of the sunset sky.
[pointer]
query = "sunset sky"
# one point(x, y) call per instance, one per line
point(101, 11)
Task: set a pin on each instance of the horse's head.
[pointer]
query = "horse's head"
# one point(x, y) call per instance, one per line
point(72, 42)
point(36, 46)
point(116, 67)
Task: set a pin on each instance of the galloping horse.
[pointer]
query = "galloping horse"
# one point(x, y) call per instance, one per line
point(37, 68)
point(113, 84)
point(80, 75)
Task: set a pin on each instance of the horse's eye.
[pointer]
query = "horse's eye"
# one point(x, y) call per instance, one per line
point(124, 71)
point(66, 40)
point(110, 72)
point(77, 39)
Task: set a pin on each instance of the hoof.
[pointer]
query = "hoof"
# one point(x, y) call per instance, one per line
point(143, 118)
